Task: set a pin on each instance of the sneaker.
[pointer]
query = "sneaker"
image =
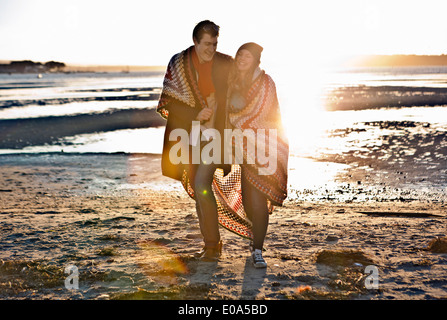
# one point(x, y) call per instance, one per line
point(258, 260)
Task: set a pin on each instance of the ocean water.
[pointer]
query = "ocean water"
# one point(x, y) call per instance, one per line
point(345, 117)
point(67, 99)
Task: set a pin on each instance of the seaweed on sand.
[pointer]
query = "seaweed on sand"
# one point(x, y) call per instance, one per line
point(21, 278)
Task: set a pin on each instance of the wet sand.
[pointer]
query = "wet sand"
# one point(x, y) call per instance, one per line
point(131, 234)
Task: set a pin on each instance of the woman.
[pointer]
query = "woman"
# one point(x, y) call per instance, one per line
point(253, 105)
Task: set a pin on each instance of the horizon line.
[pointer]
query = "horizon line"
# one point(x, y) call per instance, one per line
point(398, 59)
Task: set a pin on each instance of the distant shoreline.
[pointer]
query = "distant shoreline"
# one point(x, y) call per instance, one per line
point(398, 60)
point(124, 69)
point(32, 67)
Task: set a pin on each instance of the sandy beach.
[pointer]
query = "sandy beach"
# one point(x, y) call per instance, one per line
point(131, 234)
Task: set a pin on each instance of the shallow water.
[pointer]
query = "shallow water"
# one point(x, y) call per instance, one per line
point(398, 138)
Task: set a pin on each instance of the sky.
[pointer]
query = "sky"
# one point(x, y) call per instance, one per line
point(147, 32)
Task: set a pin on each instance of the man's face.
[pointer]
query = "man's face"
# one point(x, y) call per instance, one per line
point(206, 48)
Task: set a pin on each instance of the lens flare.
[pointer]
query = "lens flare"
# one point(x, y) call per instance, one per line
point(159, 263)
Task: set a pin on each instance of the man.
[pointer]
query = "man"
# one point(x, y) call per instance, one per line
point(195, 89)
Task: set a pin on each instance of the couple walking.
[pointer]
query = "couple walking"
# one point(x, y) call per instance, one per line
point(206, 86)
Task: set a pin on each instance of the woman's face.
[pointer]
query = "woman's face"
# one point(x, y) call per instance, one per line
point(244, 60)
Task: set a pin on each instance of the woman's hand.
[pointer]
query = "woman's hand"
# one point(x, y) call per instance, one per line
point(205, 114)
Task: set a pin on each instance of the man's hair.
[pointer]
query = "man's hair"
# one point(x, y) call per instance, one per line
point(205, 26)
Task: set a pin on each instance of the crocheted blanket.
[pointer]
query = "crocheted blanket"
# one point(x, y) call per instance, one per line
point(262, 111)
point(180, 84)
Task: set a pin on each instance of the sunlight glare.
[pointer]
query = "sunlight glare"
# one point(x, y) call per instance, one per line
point(302, 111)
point(159, 263)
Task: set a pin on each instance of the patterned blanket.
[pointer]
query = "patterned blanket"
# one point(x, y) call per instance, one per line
point(262, 111)
point(180, 84)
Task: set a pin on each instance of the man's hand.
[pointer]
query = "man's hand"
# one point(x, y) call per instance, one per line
point(205, 114)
